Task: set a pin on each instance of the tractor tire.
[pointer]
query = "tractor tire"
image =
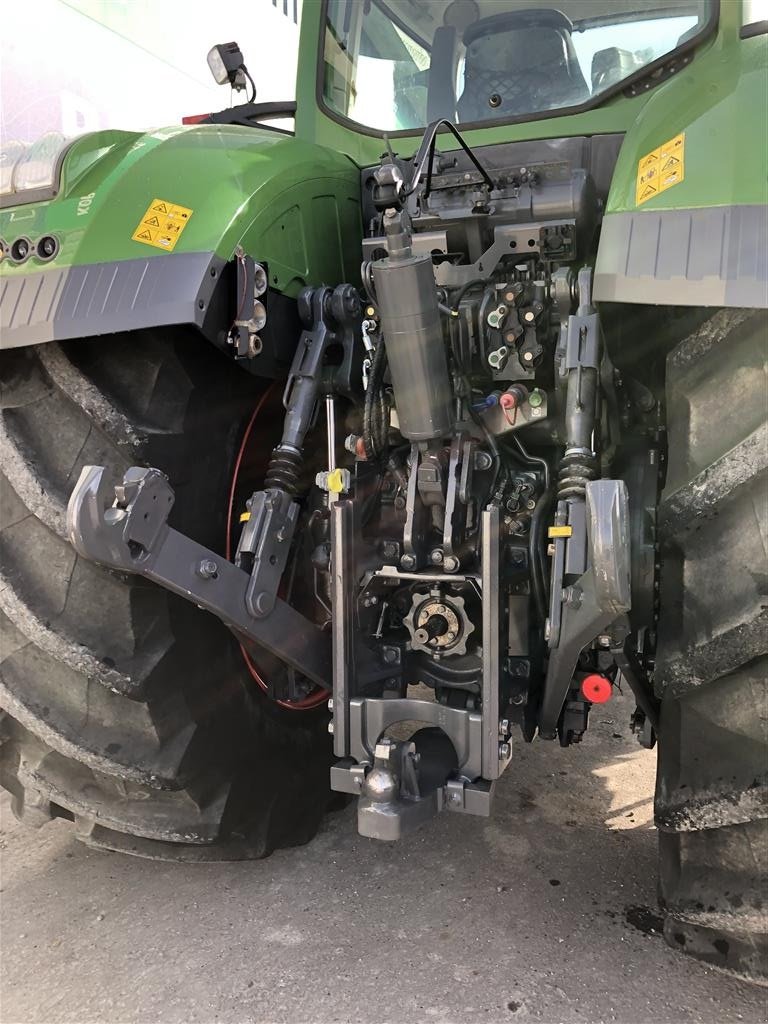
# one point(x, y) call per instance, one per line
point(712, 658)
point(126, 709)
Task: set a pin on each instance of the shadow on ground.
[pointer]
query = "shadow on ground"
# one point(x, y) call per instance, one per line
point(545, 912)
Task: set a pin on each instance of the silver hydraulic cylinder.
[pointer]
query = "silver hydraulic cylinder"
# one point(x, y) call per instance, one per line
point(413, 335)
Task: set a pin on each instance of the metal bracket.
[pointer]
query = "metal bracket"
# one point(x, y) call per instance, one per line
point(493, 763)
point(126, 527)
point(464, 751)
point(596, 599)
point(370, 718)
point(267, 537)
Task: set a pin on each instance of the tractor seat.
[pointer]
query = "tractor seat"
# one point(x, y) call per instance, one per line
point(520, 62)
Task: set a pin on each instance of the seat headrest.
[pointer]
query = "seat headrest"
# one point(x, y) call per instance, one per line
point(508, 21)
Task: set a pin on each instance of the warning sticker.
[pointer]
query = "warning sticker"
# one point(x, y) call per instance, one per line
point(162, 224)
point(660, 169)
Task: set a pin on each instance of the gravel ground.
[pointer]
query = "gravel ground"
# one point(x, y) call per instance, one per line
point(543, 913)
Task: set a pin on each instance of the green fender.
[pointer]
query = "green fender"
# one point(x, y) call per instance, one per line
point(291, 204)
point(702, 241)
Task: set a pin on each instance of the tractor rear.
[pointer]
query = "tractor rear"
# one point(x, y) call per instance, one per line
point(447, 409)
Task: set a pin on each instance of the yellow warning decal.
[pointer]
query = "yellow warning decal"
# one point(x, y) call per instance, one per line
point(560, 531)
point(162, 224)
point(660, 169)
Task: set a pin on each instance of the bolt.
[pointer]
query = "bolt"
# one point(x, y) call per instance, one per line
point(390, 655)
point(547, 629)
point(483, 460)
point(527, 357)
point(604, 640)
point(505, 751)
point(207, 569)
point(436, 557)
point(408, 562)
point(551, 550)
point(455, 797)
point(330, 703)
point(530, 504)
point(529, 316)
point(451, 563)
point(503, 728)
point(330, 728)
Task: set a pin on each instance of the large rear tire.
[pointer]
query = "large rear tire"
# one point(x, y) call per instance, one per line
point(711, 805)
point(126, 709)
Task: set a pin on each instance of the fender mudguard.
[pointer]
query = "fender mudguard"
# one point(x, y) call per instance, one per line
point(145, 225)
point(690, 228)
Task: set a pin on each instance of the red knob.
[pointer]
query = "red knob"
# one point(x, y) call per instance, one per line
point(507, 400)
point(596, 689)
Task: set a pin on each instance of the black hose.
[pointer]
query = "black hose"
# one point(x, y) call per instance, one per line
point(454, 307)
point(375, 409)
point(366, 273)
point(533, 460)
point(491, 442)
point(536, 549)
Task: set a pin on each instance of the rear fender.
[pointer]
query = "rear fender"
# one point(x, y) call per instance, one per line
point(695, 232)
point(291, 205)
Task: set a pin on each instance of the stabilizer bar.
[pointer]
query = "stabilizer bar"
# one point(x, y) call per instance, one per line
point(126, 527)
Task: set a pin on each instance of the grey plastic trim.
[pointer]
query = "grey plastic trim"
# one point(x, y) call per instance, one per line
point(104, 298)
point(716, 256)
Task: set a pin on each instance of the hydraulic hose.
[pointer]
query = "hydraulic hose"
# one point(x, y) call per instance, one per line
point(375, 409)
point(536, 552)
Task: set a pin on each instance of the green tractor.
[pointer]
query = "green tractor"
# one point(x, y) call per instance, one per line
point(447, 407)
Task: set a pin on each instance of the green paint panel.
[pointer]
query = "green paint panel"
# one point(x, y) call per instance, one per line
point(245, 186)
point(719, 103)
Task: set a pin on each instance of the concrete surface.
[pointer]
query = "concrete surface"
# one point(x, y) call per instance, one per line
point(523, 917)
